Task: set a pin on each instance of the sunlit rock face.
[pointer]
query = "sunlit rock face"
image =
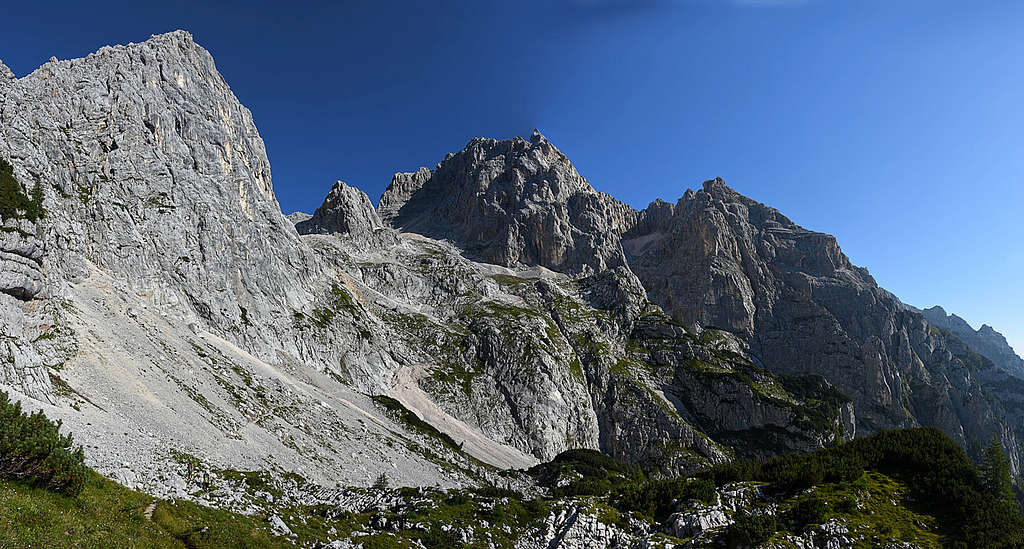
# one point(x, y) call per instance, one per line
point(155, 174)
point(346, 212)
point(21, 258)
point(24, 316)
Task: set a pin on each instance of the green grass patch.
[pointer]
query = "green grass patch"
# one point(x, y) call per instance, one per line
point(106, 514)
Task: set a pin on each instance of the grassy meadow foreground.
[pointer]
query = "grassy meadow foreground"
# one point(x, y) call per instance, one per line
point(911, 485)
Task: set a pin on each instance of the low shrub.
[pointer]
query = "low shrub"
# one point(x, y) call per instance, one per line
point(751, 529)
point(657, 499)
point(807, 511)
point(938, 472)
point(32, 450)
point(593, 473)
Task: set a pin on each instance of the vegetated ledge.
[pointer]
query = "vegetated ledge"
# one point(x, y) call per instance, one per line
point(14, 204)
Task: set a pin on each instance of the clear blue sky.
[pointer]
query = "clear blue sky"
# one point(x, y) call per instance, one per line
point(895, 125)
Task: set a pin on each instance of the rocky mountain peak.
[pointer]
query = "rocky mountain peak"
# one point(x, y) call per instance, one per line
point(179, 39)
point(511, 202)
point(716, 185)
point(401, 188)
point(985, 340)
point(154, 172)
point(719, 259)
point(169, 289)
point(346, 211)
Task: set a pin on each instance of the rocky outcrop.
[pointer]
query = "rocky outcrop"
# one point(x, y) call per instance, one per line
point(21, 258)
point(985, 340)
point(298, 217)
point(5, 74)
point(401, 189)
point(346, 212)
point(512, 202)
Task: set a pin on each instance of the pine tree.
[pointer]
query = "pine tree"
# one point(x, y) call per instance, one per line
point(32, 450)
point(36, 210)
point(9, 191)
point(995, 473)
point(382, 482)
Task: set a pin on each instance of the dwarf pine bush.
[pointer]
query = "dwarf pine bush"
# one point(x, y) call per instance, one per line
point(32, 450)
point(14, 204)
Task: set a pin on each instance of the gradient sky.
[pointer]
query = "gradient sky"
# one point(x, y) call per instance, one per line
point(895, 125)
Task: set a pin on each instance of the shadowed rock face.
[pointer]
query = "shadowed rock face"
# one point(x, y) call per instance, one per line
point(985, 340)
point(717, 258)
point(512, 202)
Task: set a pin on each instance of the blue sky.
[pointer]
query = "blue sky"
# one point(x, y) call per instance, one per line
point(896, 126)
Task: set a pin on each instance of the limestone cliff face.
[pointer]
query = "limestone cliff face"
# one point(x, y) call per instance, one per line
point(156, 173)
point(717, 258)
point(512, 202)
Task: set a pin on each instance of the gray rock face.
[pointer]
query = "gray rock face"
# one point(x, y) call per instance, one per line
point(347, 212)
point(543, 362)
point(512, 202)
point(21, 257)
point(401, 189)
point(158, 174)
point(701, 258)
point(985, 340)
point(180, 302)
point(25, 321)
point(717, 258)
point(298, 217)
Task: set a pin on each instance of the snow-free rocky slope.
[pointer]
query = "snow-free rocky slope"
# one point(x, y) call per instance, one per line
point(166, 310)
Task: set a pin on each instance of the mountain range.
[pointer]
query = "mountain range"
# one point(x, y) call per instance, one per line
point(165, 310)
